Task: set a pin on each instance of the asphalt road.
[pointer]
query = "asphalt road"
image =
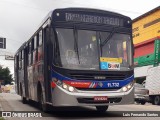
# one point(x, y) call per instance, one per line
point(12, 102)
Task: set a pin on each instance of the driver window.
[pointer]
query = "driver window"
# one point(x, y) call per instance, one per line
point(66, 46)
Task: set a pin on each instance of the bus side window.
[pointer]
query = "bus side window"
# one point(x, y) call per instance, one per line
point(35, 50)
point(35, 42)
point(32, 51)
point(40, 38)
point(17, 64)
point(29, 45)
point(29, 53)
point(40, 47)
point(37, 39)
point(20, 62)
point(37, 45)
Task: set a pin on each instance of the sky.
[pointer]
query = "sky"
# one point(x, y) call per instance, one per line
point(19, 19)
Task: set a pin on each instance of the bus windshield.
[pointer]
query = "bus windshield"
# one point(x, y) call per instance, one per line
point(91, 50)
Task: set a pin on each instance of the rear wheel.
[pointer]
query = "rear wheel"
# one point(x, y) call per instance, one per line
point(101, 109)
point(156, 100)
point(24, 101)
point(143, 102)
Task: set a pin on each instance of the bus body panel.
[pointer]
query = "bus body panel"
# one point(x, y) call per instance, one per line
point(61, 97)
point(40, 74)
point(82, 93)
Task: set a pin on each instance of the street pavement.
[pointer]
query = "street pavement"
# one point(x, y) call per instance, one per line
point(12, 102)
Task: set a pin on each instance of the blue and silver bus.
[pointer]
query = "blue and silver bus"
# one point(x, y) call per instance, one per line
point(78, 57)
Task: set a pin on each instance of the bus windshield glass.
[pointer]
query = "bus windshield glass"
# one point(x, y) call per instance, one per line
point(93, 50)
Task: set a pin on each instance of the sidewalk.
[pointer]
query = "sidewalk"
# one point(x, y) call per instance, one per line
point(1, 109)
point(4, 106)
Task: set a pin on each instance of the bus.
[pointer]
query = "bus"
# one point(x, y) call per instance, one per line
point(77, 57)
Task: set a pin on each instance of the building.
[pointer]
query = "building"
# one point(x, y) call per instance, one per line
point(2, 43)
point(146, 37)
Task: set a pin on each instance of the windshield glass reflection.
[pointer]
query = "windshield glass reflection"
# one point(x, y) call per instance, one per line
point(84, 49)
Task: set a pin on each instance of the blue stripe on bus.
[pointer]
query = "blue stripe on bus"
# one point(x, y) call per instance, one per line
point(99, 83)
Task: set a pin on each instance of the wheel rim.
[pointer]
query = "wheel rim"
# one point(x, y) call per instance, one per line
point(156, 101)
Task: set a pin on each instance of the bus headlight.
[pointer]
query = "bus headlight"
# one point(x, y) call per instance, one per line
point(127, 87)
point(124, 89)
point(71, 89)
point(65, 86)
point(68, 87)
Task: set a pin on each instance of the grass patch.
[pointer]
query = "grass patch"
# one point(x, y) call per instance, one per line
point(2, 118)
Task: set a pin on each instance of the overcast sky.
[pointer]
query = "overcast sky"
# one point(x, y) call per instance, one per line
point(20, 18)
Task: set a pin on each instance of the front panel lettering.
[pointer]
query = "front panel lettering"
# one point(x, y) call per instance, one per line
point(93, 19)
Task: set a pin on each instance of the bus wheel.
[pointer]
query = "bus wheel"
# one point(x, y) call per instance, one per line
point(157, 100)
point(24, 101)
point(101, 109)
point(43, 105)
point(143, 102)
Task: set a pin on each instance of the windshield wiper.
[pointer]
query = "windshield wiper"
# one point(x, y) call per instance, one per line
point(108, 38)
point(76, 42)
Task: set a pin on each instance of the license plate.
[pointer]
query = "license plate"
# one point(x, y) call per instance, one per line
point(100, 98)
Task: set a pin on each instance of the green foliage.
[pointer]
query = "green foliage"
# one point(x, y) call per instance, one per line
point(5, 75)
point(2, 118)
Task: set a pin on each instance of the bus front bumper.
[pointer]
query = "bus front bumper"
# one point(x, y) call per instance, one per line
point(61, 97)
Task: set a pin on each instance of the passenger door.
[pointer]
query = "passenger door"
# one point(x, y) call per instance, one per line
point(47, 63)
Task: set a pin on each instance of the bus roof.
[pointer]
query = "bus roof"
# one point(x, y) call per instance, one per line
point(91, 10)
point(90, 16)
point(87, 11)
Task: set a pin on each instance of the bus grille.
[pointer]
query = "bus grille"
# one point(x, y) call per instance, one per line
point(91, 100)
point(86, 76)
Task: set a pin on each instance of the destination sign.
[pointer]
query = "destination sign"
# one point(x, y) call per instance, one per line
point(74, 17)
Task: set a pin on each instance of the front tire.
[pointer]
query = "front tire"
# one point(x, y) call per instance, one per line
point(101, 109)
point(42, 104)
point(24, 101)
point(156, 100)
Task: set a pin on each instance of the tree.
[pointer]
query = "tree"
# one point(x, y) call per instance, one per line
point(5, 75)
